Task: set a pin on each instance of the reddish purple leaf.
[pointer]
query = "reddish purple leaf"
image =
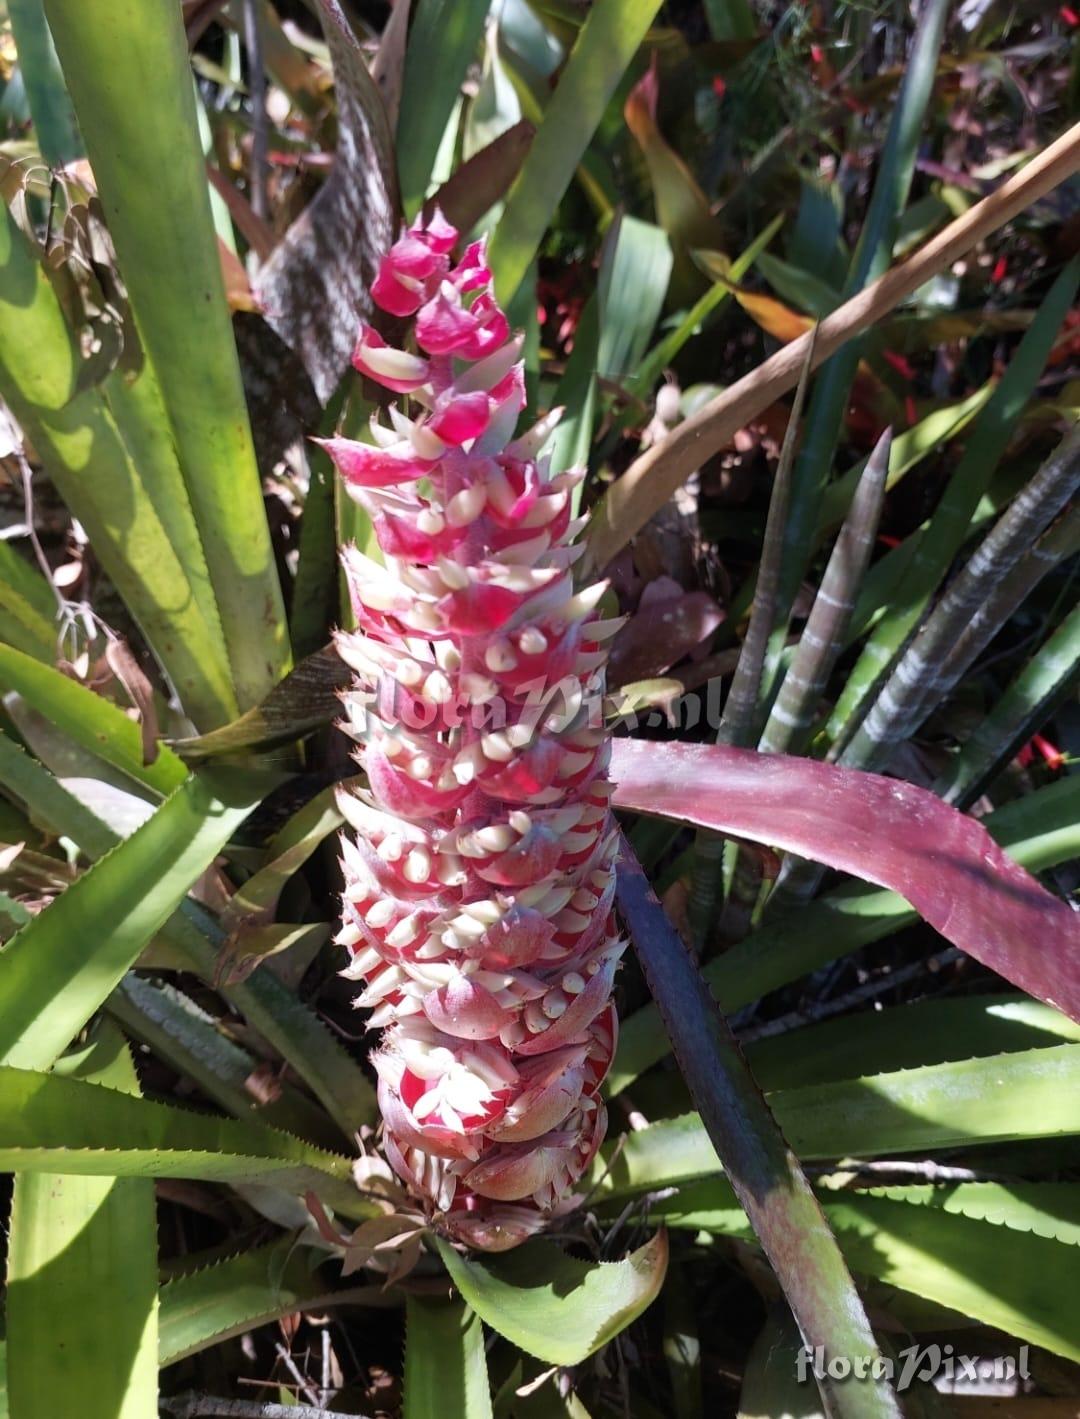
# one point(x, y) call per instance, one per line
point(668, 624)
point(479, 183)
point(882, 830)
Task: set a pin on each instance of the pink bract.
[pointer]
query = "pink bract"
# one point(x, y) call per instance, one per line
point(480, 868)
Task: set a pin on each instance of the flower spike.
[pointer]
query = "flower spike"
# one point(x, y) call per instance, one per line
point(479, 861)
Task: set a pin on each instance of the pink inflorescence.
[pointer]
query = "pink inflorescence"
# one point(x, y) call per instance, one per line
point(480, 880)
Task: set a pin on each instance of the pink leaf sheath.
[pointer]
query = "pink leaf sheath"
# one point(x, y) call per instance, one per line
point(479, 868)
point(880, 829)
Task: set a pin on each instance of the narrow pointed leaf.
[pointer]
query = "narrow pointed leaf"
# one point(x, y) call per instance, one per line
point(138, 409)
point(634, 272)
point(608, 40)
point(826, 627)
point(72, 429)
point(553, 1306)
point(74, 1242)
point(1041, 1209)
point(870, 260)
point(882, 830)
point(47, 1121)
point(1025, 704)
point(50, 107)
point(92, 721)
point(1014, 1281)
point(58, 970)
point(445, 1366)
point(908, 1036)
point(939, 542)
point(284, 1021)
point(286, 854)
point(48, 803)
point(128, 72)
point(443, 41)
point(305, 700)
point(203, 1307)
point(28, 605)
point(1030, 1094)
point(1006, 1257)
point(701, 312)
point(474, 187)
point(193, 1043)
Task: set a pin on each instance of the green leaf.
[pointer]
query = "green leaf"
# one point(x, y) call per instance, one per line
point(1030, 1094)
point(82, 1275)
point(138, 407)
point(1048, 1210)
point(608, 41)
point(312, 609)
point(1026, 703)
point(664, 352)
point(495, 108)
point(634, 272)
point(445, 1366)
point(731, 19)
point(575, 394)
point(128, 73)
point(770, 1386)
point(73, 429)
point(288, 1025)
point(286, 854)
point(198, 1047)
point(90, 720)
point(47, 1121)
point(283, 1020)
point(48, 804)
point(29, 606)
point(939, 542)
point(799, 288)
point(58, 970)
point(206, 1306)
point(1005, 1256)
point(922, 1032)
point(872, 256)
point(553, 1306)
point(908, 450)
point(1014, 1281)
point(249, 945)
point(681, 207)
point(50, 107)
point(442, 44)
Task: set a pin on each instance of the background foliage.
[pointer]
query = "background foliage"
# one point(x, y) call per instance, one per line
point(878, 571)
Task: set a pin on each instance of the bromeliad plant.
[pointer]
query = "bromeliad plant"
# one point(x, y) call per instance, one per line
point(479, 886)
point(170, 786)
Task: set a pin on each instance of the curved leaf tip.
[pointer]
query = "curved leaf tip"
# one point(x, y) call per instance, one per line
point(554, 1306)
